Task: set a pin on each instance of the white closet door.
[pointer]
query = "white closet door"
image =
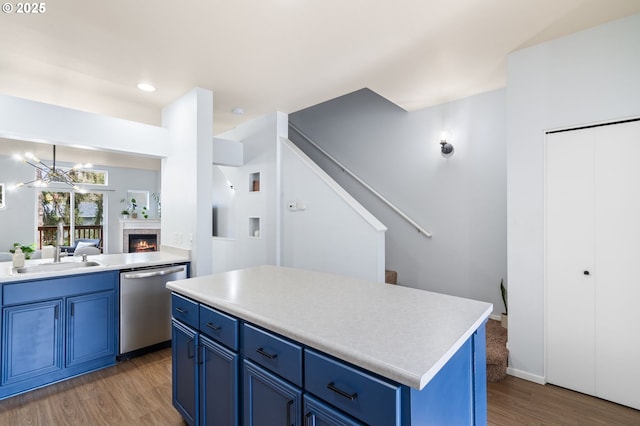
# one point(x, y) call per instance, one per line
point(570, 294)
point(617, 206)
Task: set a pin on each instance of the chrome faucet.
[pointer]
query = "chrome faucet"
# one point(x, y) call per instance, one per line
point(59, 241)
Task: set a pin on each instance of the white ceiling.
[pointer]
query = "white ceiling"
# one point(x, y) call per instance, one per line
point(270, 55)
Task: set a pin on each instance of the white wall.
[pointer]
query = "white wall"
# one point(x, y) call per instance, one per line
point(327, 230)
point(239, 249)
point(461, 200)
point(27, 120)
point(18, 219)
point(588, 77)
point(187, 175)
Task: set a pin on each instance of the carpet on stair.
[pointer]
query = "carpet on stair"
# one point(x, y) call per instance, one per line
point(497, 352)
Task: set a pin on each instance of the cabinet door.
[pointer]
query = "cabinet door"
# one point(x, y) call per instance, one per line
point(317, 413)
point(269, 400)
point(218, 384)
point(184, 345)
point(31, 340)
point(91, 325)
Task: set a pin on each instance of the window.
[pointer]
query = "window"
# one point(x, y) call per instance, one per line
point(80, 176)
point(84, 221)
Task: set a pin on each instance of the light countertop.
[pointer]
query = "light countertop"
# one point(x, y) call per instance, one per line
point(108, 262)
point(401, 333)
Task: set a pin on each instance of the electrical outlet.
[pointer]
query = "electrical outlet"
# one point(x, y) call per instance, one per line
point(296, 205)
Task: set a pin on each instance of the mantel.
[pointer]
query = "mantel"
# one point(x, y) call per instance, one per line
point(139, 223)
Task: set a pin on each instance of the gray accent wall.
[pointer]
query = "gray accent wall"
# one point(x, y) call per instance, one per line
point(461, 200)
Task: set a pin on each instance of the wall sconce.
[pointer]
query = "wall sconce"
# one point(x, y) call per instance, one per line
point(446, 148)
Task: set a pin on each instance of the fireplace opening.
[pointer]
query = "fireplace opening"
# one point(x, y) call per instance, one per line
point(139, 243)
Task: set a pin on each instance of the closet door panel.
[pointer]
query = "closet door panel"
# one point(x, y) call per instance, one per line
point(617, 207)
point(570, 283)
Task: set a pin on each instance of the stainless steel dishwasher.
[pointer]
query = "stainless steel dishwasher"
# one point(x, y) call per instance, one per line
point(145, 307)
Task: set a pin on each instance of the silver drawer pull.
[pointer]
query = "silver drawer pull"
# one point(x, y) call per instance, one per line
point(181, 311)
point(262, 352)
point(213, 327)
point(349, 396)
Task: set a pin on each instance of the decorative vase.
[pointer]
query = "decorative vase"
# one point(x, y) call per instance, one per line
point(134, 215)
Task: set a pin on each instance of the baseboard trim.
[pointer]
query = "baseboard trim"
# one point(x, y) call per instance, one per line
point(495, 317)
point(526, 376)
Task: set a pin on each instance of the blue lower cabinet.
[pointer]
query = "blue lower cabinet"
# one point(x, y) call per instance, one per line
point(32, 337)
point(185, 371)
point(91, 321)
point(317, 413)
point(218, 384)
point(205, 378)
point(269, 400)
point(57, 328)
point(364, 396)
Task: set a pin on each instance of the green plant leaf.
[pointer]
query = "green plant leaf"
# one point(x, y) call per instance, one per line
point(503, 291)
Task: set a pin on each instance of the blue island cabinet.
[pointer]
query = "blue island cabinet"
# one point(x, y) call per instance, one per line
point(205, 364)
point(284, 382)
point(57, 328)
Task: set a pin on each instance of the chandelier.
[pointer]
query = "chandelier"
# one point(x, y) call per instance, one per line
point(50, 174)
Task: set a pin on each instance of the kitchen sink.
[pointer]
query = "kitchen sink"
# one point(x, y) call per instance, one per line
point(61, 266)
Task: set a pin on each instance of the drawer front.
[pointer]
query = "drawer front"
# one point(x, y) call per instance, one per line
point(365, 397)
point(274, 353)
point(220, 327)
point(317, 413)
point(184, 310)
point(53, 288)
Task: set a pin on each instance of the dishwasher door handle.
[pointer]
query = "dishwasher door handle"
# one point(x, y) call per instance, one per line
point(156, 273)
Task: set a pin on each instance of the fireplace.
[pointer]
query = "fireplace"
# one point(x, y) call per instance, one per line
point(138, 228)
point(143, 243)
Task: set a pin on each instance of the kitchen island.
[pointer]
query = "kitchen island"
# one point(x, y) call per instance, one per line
point(334, 349)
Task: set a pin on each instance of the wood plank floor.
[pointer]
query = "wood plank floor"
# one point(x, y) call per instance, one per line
point(133, 392)
point(138, 392)
point(515, 401)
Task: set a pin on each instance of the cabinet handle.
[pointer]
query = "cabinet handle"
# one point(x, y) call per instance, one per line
point(310, 419)
point(55, 312)
point(262, 352)
point(213, 327)
point(72, 308)
point(349, 396)
point(181, 311)
point(586, 272)
point(190, 349)
point(289, 405)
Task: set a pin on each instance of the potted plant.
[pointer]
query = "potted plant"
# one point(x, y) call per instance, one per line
point(125, 214)
point(145, 213)
point(504, 317)
point(26, 249)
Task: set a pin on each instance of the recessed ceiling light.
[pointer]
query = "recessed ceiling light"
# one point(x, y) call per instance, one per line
point(238, 111)
point(146, 87)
